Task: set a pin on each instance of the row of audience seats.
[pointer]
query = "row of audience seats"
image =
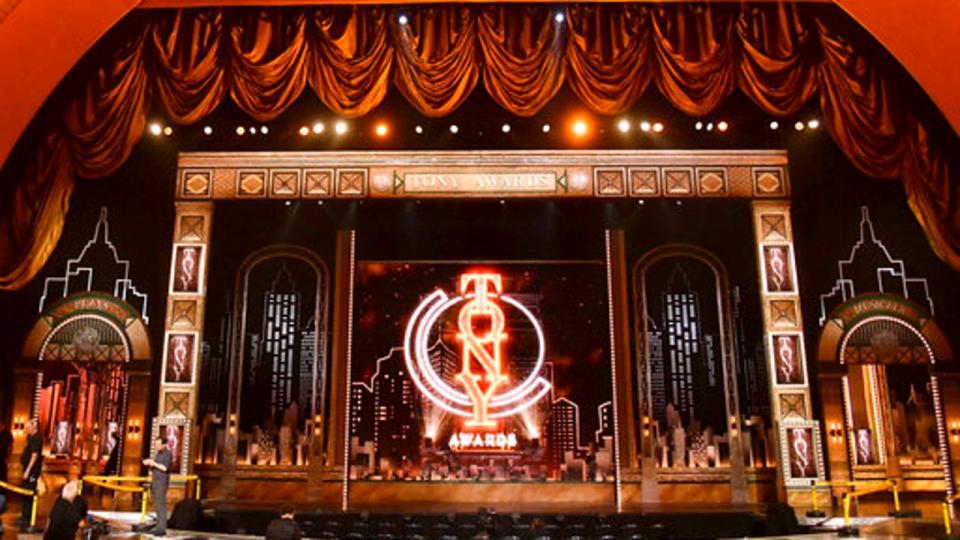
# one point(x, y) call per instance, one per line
point(495, 526)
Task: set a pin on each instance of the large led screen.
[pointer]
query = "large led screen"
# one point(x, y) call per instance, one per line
point(493, 371)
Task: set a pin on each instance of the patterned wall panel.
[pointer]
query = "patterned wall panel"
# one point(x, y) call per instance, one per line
point(183, 324)
point(779, 295)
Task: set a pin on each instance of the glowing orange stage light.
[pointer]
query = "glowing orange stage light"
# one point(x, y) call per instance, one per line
point(381, 130)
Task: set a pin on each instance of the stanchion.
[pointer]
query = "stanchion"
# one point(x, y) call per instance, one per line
point(26, 493)
point(847, 530)
point(899, 512)
point(815, 512)
point(947, 525)
point(143, 506)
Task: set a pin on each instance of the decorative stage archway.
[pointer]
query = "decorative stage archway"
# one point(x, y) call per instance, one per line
point(879, 356)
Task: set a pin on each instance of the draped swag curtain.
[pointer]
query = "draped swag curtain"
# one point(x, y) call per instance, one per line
point(187, 62)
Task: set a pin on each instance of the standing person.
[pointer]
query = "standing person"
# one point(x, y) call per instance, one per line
point(160, 468)
point(6, 445)
point(32, 461)
point(285, 527)
point(67, 513)
point(112, 467)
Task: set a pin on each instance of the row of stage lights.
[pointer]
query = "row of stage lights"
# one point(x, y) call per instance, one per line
point(578, 127)
point(722, 125)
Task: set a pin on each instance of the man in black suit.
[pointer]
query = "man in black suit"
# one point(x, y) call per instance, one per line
point(159, 467)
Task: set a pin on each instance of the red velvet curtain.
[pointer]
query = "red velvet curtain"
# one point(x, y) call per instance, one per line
point(188, 62)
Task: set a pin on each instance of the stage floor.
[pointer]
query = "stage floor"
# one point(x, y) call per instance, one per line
point(121, 523)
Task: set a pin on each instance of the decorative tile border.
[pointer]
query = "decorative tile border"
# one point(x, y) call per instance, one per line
point(636, 174)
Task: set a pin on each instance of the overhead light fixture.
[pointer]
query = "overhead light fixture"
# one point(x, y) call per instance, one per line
point(774, 125)
point(454, 129)
point(645, 126)
point(241, 130)
point(304, 131)
point(264, 130)
point(168, 131)
point(418, 130)
point(798, 126)
point(546, 128)
point(340, 127)
point(318, 128)
point(207, 130)
point(722, 125)
point(559, 17)
point(381, 130)
point(580, 128)
point(623, 125)
point(155, 129)
point(402, 19)
point(657, 127)
point(698, 126)
point(813, 123)
point(505, 128)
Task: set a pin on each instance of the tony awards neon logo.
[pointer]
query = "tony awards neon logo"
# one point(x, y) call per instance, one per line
point(488, 393)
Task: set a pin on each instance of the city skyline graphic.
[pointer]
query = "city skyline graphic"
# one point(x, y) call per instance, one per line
point(567, 434)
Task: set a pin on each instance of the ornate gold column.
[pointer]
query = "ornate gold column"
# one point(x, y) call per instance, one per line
point(337, 450)
point(626, 459)
point(183, 324)
point(783, 331)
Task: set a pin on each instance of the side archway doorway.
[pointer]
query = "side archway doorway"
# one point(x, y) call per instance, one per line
point(882, 361)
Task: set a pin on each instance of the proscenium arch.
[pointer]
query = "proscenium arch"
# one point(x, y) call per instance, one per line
point(864, 308)
point(724, 317)
point(133, 330)
point(70, 29)
point(127, 349)
point(276, 251)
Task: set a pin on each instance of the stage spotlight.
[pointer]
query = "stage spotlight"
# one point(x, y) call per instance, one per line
point(774, 125)
point(168, 131)
point(340, 127)
point(253, 130)
point(319, 203)
point(580, 128)
point(418, 130)
point(813, 124)
point(698, 126)
point(722, 125)
point(623, 125)
point(241, 130)
point(454, 129)
point(402, 19)
point(645, 126)
point(381, 130)
point(207, 130)
point(502, 202)
point(546, 128)
point(709, 126)
point(155, 129)
point(304, 131)
point(657, 127)
point(559, 17)
point(505, 128)
point(264, 130)
point(318, 128)
point(798, 126)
